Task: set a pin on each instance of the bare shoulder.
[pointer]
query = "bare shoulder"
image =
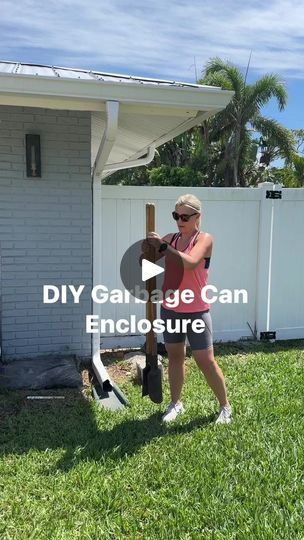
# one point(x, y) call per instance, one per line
point(168, 237)
point(205, 237)
point(205, 241)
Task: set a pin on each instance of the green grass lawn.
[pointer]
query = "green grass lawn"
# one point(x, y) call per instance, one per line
point(70, 470)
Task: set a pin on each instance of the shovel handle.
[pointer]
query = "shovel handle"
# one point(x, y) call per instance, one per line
point(151, 342)
point(150, 227)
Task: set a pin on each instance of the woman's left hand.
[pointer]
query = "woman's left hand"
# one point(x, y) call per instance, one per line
point(154, 239)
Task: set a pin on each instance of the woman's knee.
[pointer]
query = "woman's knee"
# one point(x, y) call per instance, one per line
point(176, 351)
point(205, 359)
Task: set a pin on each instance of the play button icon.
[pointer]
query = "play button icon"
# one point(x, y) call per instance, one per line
point(150, 270)
point(136, 270)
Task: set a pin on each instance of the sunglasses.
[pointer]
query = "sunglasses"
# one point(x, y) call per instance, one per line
point(183, 217)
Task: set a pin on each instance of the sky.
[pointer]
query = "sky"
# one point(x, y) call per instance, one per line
point(167, 39)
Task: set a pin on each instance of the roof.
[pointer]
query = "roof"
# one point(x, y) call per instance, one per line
point(151, 111)
point(19, 68)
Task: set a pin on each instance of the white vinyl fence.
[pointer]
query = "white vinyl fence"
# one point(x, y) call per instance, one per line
point(258, 246)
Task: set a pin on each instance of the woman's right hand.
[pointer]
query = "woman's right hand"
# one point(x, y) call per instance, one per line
point(145, 246)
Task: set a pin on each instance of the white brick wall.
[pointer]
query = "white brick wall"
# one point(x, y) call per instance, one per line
point(45, 231)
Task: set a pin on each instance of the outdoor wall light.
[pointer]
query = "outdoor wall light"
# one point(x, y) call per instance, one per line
point(33, 156)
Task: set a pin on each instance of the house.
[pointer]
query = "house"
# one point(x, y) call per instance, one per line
point(62, 131)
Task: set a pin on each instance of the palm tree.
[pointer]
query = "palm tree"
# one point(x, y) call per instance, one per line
point(177, 152)
point(233, 125)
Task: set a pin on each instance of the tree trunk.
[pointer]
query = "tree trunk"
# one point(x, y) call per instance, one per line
point(236, 155)
point(229, 173)
point(228, 180)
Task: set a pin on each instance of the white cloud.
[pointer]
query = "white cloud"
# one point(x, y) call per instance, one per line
point(159, 38)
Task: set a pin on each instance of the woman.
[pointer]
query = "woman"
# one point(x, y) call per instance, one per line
point(194, 248)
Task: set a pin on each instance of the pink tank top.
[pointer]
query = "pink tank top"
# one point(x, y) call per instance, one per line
point(194, 280)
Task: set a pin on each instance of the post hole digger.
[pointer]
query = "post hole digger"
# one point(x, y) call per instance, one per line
point(152, 372)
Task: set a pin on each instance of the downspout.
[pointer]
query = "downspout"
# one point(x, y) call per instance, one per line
point(100, 167)
point(106, 145)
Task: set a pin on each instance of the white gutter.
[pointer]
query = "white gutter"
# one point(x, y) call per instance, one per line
point(197, 98)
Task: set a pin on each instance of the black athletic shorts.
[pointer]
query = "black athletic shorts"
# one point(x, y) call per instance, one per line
point(197, 340)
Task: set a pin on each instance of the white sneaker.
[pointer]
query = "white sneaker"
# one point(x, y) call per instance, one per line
point(225, 415)
point(173, 410)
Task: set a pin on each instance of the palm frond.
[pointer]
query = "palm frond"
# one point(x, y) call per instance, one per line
point(266, 88)
point(275, 135)
point(217, 79)
point(227, 70)
point(298, 165)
